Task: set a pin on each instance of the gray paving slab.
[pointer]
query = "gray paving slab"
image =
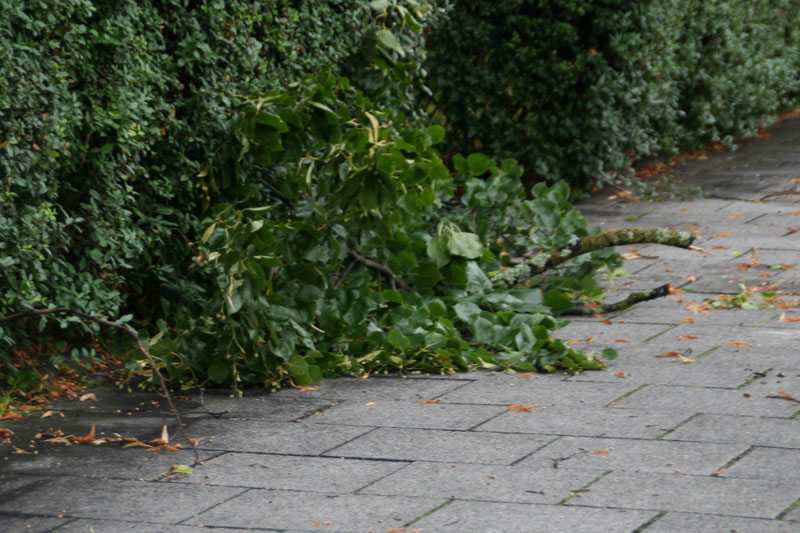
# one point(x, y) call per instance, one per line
point(292, 510)
point(30, 524)
point(589, 422)
point(115, 526)
point(271, 437)
point(436, 445)
point(517, 484)
point(267, 471)
point(409, 414)
point(114, 499)
point(705, 400)
point(693, 494)
point(710, 523)
point(758, 431)
point(105, 461)
point(480, 517)
point(275, 408)
point(550, 390)
point(777, 464)
point(384, 387)
point(634, 455)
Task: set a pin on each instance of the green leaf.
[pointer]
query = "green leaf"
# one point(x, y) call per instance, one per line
point(464, 244)
point(438, 250)
point(298, 366)
point(557, 301)
point(398, 340)
point(609, 354)
point(436, 133)
point(392, 296)
point(319, 254)
point(387, 38)
point(478, 164)
point(219, 371)
point(379, 5)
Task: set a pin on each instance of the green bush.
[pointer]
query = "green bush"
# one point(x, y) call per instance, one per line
point(580, 89)
point(111, 109)
point(340, 245)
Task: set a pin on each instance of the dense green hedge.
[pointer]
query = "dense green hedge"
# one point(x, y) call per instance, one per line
point(110, 110)
point(579, 89)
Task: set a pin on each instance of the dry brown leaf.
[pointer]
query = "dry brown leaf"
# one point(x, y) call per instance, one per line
point(137, 444)
point(719, 471)
point(306, 389)
point(786, 395)
point(430, 401)
point(722, 235)
point(629, 256)
point(526, 375)
point(86, 438)
point(690, 278)
point(740, 344)
point(369, 404)
point(765, 275)
point(794, 212)
point(784, 318)
point(606, 321)
point(88, 396)
point(60, 440)
point(673, 290)
point(687, 320)
point(686, 337)
point(572, 342)
point(622, 340)
point(599, 451)
point(720, 247)
point(734, 217)
point(743, 266)
point(679, 355)
point(9, 415)
point(520, 407)
point(620, 374)
point(5, 432)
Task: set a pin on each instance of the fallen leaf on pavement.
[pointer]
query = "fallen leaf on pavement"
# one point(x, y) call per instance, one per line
point(679, 355)
point(622, 340)
point(628, 256)
point(86, 438)
point(687, 320)
point(734, 217)
point(784, 318)
point(738, 343)
point(787, 396)
point(429, 401)
point(88, 396)
point(5, 432)
point(673, 290)
point(369, 404)
point(137, 444)
point(520, 407)
point(620, 374)
point(722, 235)
point(719, 247)
point(686, 337)
point(306, 389)
point(690, 278)
point(599, 451)
point(9, 416)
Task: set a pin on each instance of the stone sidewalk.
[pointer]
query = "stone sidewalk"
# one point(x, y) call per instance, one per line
point(652, 444)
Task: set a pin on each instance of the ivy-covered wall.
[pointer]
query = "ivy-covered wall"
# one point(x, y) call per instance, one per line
point(579, 89)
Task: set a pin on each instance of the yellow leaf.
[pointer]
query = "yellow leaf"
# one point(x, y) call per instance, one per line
point(740, 344)
point(137, 444)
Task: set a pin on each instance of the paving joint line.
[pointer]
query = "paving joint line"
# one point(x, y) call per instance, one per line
point(678, 426)
point(586, 488)
point(650, 522)
point(721, 470)
point(629, 393)
point(788, 510)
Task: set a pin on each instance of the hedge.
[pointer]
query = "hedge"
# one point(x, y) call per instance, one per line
point(581, 89)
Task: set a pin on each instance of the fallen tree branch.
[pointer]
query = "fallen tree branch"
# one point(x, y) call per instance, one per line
point(632, 299)
point(383, 269)
point(544, 261)
point(139, 346)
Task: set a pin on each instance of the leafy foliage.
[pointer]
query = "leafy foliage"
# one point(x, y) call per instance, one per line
point(347, 246)
point(578, 89)
point(111, 109)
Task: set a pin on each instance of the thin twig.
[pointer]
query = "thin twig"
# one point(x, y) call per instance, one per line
point(632, 299)
point(343, 276)
point(128, 331)
point(383, 269)
point(277, 192)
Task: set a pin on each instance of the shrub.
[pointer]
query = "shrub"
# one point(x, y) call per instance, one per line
point(578, 89)
point(111, 109)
